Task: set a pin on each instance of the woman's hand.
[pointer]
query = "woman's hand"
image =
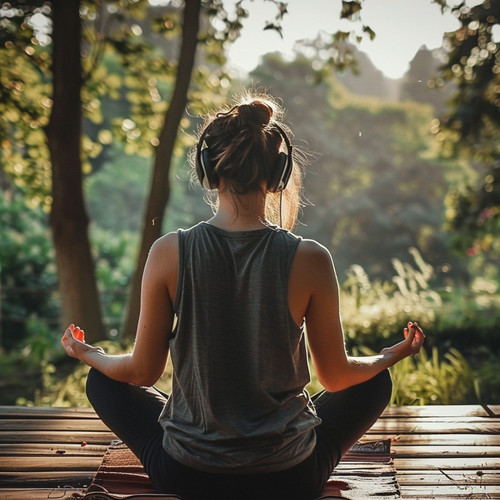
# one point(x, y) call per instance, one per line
point(74, 344)
point(414, 338)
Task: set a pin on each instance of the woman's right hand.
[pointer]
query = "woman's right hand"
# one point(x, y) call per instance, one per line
point(414, 339)
point(77, 348)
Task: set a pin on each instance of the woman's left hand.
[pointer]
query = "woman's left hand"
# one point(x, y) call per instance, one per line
point(74, 347)
point(411, 345)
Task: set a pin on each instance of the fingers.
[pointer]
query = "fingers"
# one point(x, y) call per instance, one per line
point(417, 337)
point(79, 334)
point(414, 337)
point(418, 332)
point(409, 333)
point(76, 332)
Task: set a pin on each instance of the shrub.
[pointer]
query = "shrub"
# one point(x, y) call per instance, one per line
point(428, 379)
point(372, 313)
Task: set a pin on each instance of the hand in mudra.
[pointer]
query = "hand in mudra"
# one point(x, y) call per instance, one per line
point(414, 339)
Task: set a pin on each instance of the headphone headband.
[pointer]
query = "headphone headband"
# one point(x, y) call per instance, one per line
point(280, 174)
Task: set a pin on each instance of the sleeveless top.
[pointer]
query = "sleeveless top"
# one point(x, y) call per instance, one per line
point(238, 403)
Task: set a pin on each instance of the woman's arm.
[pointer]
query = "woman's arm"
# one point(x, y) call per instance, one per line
point(146, 363)
point(335, 369)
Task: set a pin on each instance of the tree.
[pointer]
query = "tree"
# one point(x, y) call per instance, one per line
point(45, 91)
point(68, 217)
point(60, 118)
point(473, 62)
point(473, 125)
point(160, 184)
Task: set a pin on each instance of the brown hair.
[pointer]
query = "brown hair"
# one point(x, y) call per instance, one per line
point(244, 144)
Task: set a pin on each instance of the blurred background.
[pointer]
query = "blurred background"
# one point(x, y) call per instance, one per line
point(395, 104)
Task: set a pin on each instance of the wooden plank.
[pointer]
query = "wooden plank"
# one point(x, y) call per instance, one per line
point(440, 491)
point(417, 463)
point(451, 424)
point(91, 437)
point(13, 449)
point(437, 450)
point(439, 411)
point(435, 477)
point(46, 412)
point(484, 426)
point(39, 493)
point(397, 420)
point(392, 411)
point(63, 424)
point(445, 451)
point(438, 439)
point(61, 462)
point(46, 479)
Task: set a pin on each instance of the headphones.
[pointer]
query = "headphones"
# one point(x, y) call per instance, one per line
point(280, 174)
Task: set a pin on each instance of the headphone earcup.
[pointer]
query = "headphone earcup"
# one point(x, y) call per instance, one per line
point(281, 173)
point(204, 166)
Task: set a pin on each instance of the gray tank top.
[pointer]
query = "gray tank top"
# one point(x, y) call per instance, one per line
point(238, 402)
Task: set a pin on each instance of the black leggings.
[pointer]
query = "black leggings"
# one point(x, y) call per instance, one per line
point(132, 412)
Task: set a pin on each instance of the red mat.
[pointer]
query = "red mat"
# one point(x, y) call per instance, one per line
point(365, 472)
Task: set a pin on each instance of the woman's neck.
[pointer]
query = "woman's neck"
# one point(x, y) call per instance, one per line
point(240, 212)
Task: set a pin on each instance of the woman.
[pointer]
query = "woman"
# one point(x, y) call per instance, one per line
point(239, 423)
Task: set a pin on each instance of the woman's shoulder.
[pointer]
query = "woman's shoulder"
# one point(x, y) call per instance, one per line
point(166, 240)
point(166, 244)
point(312, 260)
point(312, 249)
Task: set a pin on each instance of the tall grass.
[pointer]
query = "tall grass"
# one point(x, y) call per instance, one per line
point(432, 379)
point(375, 310)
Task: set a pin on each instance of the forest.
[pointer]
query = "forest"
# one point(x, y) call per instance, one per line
point(99, 109)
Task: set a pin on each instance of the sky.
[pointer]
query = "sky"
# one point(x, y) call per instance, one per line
point(402, 27)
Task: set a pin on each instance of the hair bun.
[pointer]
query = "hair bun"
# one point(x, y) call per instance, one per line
point(256, 113)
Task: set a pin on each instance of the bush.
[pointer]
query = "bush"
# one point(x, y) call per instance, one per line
point(426, 380)
point(27, 271)
point(375, 313)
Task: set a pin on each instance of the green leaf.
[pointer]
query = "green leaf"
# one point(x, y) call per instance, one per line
point(349, 9)
point(369, 31)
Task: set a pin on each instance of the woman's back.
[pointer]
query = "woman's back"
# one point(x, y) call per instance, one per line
point(239, 357)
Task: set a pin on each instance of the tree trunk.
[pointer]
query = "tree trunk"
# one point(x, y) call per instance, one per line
point(68, 218)
point(160, 186)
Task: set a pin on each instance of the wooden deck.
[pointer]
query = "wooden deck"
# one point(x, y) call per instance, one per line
point(444, 452)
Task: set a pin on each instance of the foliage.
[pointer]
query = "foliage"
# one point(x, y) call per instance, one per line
point(468, 320)
point(32, 361)
point(24, 102)
point(465, 318)
point(433, 379)
point(473, 124)
point(428, 379)
point(474, 213)
point(450, 370)
point(473, 63)
point(28, 277)
point(64, 380)
point(375, 179)
point(488, 388)
point(114, 264)
point(119, 173)
point(27, 272)
point(375, 311)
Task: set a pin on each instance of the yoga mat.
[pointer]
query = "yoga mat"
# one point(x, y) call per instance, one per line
point(365, 472)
